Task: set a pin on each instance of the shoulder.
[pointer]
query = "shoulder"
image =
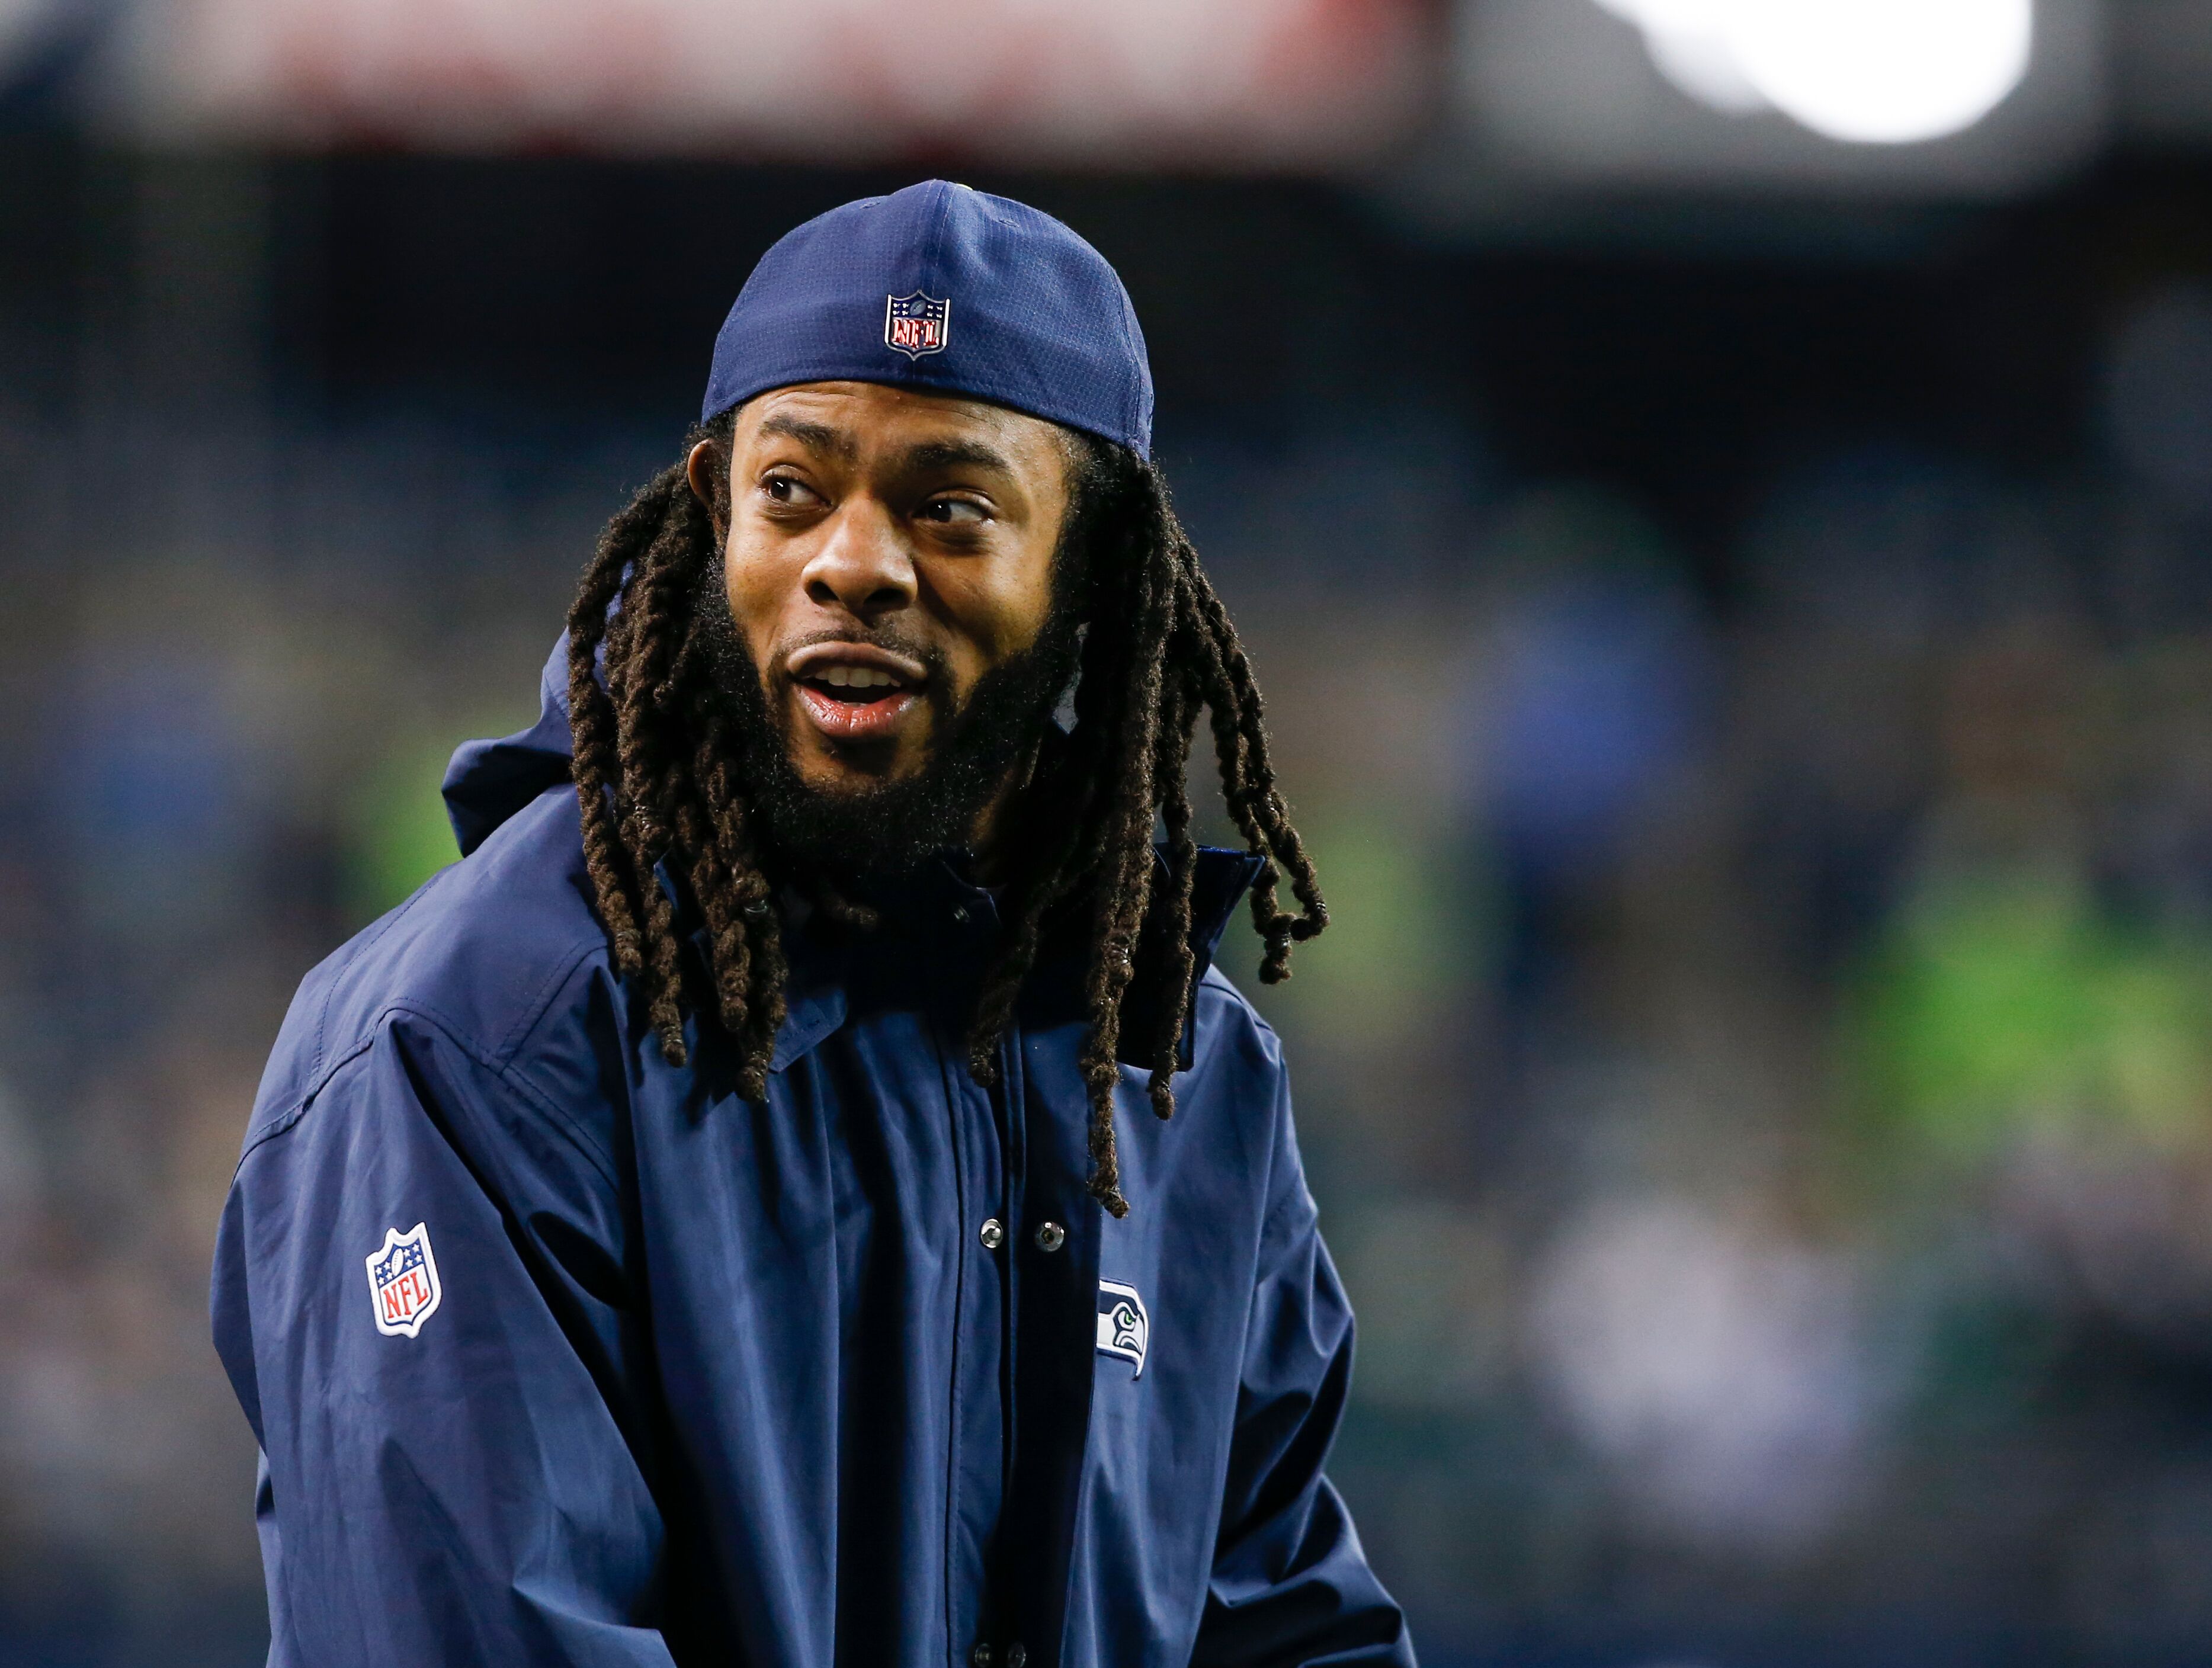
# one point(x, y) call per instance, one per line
point(1231, 1038)
point(1236, 1091)
point(483, 952)
point(1239, 1068)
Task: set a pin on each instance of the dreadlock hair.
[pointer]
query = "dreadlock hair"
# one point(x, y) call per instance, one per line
point(657, 777)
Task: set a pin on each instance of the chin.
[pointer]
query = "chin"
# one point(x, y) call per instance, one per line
point(855, 772)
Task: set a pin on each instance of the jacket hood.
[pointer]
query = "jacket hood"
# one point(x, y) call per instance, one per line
point(488, 781)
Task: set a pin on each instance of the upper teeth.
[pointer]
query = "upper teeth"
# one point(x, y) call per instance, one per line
point(858, 677)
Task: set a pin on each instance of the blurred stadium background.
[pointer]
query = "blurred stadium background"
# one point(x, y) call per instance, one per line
point(1721, 493)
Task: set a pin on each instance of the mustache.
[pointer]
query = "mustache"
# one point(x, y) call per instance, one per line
point(931, 658)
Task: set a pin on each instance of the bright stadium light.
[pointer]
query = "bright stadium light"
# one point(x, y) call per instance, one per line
point(1688, 41)
point(1864, 71)
point(1883, 71)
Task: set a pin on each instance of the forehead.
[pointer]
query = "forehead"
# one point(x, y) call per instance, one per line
point(861, 418)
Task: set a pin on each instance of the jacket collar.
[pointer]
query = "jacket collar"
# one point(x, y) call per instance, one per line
point(489, 781)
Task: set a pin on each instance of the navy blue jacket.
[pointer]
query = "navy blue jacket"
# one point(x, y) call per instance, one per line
point(559, 1355)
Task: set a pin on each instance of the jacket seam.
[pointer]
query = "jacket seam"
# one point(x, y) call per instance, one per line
point(284, 1121)
point(604, 1163)
point(533, 1012)
point(355, 951)
point(577, 1137)
point(560, 1120)
point(541, 1000)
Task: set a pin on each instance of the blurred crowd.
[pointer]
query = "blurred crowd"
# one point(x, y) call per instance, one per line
point(1761, 1088)
point(1758, 1080)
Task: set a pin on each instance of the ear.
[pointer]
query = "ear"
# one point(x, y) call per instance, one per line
point(710, 459)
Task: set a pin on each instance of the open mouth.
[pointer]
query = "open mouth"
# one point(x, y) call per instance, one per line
point(853, 694)
point(860, 684)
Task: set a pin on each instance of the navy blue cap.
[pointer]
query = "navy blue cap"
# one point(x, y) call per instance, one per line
point(945, 288)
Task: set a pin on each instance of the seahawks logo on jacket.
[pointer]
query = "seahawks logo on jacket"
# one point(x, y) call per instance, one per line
point(1124, 1329)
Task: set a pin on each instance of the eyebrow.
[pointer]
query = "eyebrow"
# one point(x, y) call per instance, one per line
point(947, 454)
point(814, 436)
point(928, 455)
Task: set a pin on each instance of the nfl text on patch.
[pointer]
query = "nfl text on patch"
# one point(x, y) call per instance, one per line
point(403, 1281)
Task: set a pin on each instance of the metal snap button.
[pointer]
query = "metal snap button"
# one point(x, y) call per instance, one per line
point(960, 915)
point(1050, 1237)
point(1016, 1656)
point(992, 1236)
point(980, 1656)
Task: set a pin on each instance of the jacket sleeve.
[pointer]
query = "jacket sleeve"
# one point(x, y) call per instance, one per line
point(1291, 1584)
point(468, 1493)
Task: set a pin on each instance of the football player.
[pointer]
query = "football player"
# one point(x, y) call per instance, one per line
point(799, 1191)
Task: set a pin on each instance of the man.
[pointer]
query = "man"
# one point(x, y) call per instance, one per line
point(707, 1224)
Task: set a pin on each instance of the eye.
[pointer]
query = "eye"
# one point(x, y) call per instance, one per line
point(789, 489)
point(948, 510)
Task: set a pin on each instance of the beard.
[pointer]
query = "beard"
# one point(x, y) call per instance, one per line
point(894, 825)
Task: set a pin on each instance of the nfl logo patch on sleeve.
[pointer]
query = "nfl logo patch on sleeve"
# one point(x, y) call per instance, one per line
point(403, 1281)
point(1125, 1330)
point(916, 325)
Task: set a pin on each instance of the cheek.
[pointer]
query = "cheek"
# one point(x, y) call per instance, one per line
point(999, 612)
point(760, 581)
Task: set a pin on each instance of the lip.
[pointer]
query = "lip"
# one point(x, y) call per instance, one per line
point(819, 656)
point(855, 721)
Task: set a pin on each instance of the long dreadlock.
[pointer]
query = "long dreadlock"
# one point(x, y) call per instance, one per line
point(657, 777)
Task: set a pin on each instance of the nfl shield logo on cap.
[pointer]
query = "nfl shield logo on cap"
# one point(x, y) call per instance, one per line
point(915, 325)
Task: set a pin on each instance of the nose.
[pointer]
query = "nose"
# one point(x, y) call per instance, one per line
point(862, 566)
